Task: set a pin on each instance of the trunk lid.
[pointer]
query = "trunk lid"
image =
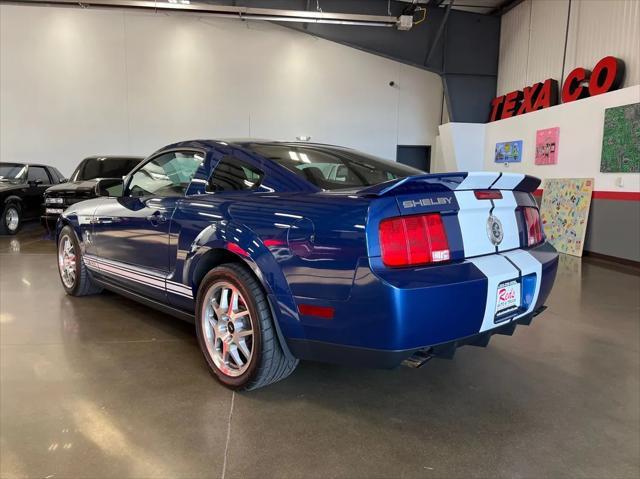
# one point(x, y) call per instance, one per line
point(474, 226)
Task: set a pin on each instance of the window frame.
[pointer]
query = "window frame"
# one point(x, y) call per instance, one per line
point(127, 179)
point(256, 186)
point(46, 172)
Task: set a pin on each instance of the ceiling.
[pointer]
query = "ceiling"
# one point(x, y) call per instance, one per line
point(484, 7)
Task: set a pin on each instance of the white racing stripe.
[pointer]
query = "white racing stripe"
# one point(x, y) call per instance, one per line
point(497, 269)
point(131, 276)
point(478, 180)
point(527, 264)
point(179, 288)
point(508, 181)
point(132, 273)
point(504, 210)
point(472, 216)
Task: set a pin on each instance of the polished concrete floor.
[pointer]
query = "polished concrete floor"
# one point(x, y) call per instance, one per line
point(103, 387)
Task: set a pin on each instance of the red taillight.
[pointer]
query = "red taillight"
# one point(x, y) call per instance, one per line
point(533, 225)
point(488, 194)
point(413, 240)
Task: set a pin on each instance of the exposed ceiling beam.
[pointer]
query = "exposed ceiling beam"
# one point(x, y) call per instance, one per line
point(505, 6)
point(231, 11)
point(439, 33)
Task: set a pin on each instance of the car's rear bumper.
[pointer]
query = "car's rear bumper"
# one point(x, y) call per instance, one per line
point(392, 313)
point(385, 359)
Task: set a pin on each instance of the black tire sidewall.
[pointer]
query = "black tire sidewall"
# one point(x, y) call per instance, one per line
point(227, 274)
point(68, 231)
point(5, 227)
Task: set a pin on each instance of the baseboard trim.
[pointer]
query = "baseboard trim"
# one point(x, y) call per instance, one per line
point(628, 263)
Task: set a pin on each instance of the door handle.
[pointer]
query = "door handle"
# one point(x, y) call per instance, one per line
point(157, 218)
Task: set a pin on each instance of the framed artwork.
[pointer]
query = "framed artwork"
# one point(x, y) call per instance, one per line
point(564, 212)
point(508, 152)
point(547, 146)
point(621, 140)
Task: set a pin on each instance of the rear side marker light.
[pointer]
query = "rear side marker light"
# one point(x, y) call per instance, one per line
point(413, 240)
point(324, 312)
point(533, 225)
point(488, 194)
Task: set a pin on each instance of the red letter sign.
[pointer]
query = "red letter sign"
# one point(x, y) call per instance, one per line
point(548, 95)
point(572, 89)
point(511, 103)
point(529, 95)
point(496, 109)
point(607, 75)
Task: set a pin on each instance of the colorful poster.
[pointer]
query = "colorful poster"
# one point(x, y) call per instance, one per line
point(564, 212)
point(509, 152)
point(621, 140)
point(547, 146)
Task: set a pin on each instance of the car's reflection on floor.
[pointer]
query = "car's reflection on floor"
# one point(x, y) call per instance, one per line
point(101, 386)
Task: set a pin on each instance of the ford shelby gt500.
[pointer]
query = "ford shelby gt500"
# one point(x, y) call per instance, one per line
point(287, 251)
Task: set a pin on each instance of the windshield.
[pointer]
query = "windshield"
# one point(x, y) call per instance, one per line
point(12, 171)
point(92, 168)
point(334, 168)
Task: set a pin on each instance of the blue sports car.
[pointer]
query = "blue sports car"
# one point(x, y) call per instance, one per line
point(286, 251)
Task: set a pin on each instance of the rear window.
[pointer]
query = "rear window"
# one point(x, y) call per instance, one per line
point(334, 168)
point(104, 168)
point(233, 175)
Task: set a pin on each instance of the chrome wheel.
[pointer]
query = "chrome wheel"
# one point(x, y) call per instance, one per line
point(228, 329)
point(12, 218)
point(67, 262)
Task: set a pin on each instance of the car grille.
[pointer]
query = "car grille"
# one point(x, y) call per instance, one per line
point(68, 199)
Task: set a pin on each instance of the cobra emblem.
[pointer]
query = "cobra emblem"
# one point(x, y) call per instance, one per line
point(494, 230)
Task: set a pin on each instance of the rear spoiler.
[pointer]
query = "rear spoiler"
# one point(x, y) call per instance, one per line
point(438, 182)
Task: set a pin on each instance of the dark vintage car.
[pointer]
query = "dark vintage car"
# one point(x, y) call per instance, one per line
point(81, 185)
point(21, 188)
point(288, 251)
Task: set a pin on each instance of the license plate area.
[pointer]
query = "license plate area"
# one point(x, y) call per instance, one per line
point(508, 299)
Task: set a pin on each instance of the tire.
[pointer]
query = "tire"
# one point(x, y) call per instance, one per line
point(74, 275)
point(11, 219)
point(220, 322)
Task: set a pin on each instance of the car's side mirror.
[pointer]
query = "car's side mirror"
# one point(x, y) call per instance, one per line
point(35, 182)
point(109, 187)
point(64, 180)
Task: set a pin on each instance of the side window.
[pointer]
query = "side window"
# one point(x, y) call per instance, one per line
point(38, 173)
point(233, 175)
point(166, 175)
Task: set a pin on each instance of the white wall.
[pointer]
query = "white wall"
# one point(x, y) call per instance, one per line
point(580, 144)
point(532, 39)
point(461, 146)
point(77, 82)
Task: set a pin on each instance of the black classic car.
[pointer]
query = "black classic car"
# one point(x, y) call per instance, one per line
point(81, 185)
point(22, 186)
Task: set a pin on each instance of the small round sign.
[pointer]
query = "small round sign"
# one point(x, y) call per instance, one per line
point(494, 230)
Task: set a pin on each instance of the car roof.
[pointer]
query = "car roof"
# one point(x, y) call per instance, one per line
point(244, 143)
point(25, 164)
point(115, 157)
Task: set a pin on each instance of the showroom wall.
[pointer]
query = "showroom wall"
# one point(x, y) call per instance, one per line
point(77, 82)
point(542, 39)
point(595, 29)
point(563, 35)
point(614, 222)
